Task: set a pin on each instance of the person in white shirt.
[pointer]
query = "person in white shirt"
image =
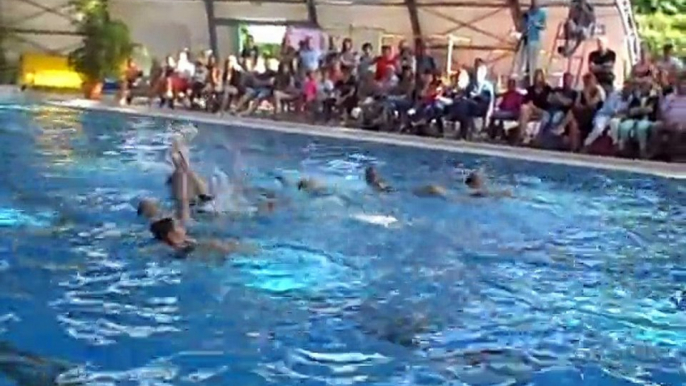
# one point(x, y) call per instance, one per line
point(668, 61)
point(184, 68)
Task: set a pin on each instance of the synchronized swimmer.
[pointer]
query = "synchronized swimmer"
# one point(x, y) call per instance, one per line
point(188, 190)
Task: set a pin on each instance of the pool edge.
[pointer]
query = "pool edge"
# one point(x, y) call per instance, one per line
point(659, 169)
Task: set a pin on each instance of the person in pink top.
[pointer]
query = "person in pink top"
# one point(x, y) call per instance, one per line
point(310, 87)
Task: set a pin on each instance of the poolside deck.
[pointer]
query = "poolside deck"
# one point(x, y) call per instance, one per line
point(667, 170)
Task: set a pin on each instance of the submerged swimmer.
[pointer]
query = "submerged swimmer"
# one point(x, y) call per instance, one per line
point(374, 180)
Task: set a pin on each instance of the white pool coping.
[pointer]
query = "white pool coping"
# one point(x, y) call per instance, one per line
point(661, 169)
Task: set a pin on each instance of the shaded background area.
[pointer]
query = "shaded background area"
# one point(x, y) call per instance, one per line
point(479, 28)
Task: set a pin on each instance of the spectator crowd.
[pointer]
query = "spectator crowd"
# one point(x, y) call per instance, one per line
point(401, 89)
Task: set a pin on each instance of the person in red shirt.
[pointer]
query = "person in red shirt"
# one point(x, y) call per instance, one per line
point(509, 108)
point(383, 62)
point(511, 102)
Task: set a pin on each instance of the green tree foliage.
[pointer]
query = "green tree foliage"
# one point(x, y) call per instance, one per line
point(667, 7)
point(106, 43)
point(658, 29)
point(661, 22)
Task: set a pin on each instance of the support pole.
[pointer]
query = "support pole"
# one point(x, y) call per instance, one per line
point(412, 9)
point(312, 12)
point(211, 26)
point(451, 47)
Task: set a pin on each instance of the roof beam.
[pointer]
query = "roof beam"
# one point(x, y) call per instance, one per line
point(211, 26)
point(516, 12)
point(35, 31)
point(412, 9)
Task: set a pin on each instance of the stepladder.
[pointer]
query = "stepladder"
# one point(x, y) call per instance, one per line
point(574, 64)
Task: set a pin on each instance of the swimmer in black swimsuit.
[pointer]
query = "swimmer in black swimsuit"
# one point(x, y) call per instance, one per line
point(198, 192)
point(171, 232)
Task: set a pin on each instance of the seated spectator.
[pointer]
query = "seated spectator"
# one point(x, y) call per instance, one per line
point(310, 88)
point(346, 90)
point(214, 74)
point(335, 70)
point(670, 133)
point(609, 116)
point(665, 82)
point(578, 27)
point(326, 95)
point(389, 81)
point(366, 60)
point(509, 108)
point(383, 62)
point(535, 102)
point(589, 101)
point(556, 118)
point(130, 80)
point(405, 57)
point(601, 63)
point(477, 101)
point(641, 117)
point(348, 57)
point(233, 82)
point(285, 90)
point(199, 82)
point(401, 97)
point(185, 69)
point(213, 90)
point(645, 68)
point(259, 88)
point(429, 105)
point(511, 102)
point(167, 88)
point(668, 62)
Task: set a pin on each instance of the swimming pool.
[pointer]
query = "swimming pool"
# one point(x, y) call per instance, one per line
point(569, 283)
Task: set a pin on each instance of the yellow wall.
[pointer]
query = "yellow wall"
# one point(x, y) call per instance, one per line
point(40, 70)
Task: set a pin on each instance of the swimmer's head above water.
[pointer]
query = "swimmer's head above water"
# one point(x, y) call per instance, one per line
point(474, 181)
point(167, 231)
point(371, 176)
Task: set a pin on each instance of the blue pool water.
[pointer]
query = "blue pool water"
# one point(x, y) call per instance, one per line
point(570, 283)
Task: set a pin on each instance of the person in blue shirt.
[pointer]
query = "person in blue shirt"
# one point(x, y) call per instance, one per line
point(477, 101)
point(533, 24)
